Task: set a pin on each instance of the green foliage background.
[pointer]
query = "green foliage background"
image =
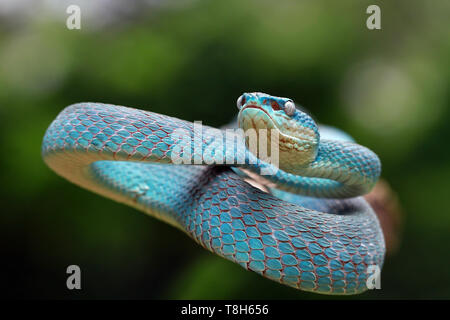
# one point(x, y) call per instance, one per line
point(389, 88)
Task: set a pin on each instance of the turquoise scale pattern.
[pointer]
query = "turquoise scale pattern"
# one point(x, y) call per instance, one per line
point(346, 169)
point(319, 245)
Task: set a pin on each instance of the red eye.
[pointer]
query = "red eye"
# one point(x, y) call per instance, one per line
point(275, 105)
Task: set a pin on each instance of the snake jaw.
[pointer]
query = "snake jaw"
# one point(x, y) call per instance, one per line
point(298, 136)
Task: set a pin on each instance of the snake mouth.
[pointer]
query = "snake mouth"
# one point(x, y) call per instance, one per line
point(259, 108)
point(287, 128)
point(264, 121)
point(294, 139)
point(271, 123)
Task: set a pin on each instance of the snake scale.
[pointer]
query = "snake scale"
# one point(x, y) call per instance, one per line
point(313, 231)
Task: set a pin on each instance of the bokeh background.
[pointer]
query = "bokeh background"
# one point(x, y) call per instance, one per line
point(389, 88)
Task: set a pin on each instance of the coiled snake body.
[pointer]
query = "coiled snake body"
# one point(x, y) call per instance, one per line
point(313, 232)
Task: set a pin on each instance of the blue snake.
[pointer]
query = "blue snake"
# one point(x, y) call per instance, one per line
point(311, 230)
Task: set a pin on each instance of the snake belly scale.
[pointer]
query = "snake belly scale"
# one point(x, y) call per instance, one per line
point(314, 232)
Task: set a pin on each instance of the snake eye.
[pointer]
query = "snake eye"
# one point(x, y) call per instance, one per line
point(289, 108)
point(240, 101)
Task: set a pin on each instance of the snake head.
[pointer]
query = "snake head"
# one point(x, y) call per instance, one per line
point(298, 134)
